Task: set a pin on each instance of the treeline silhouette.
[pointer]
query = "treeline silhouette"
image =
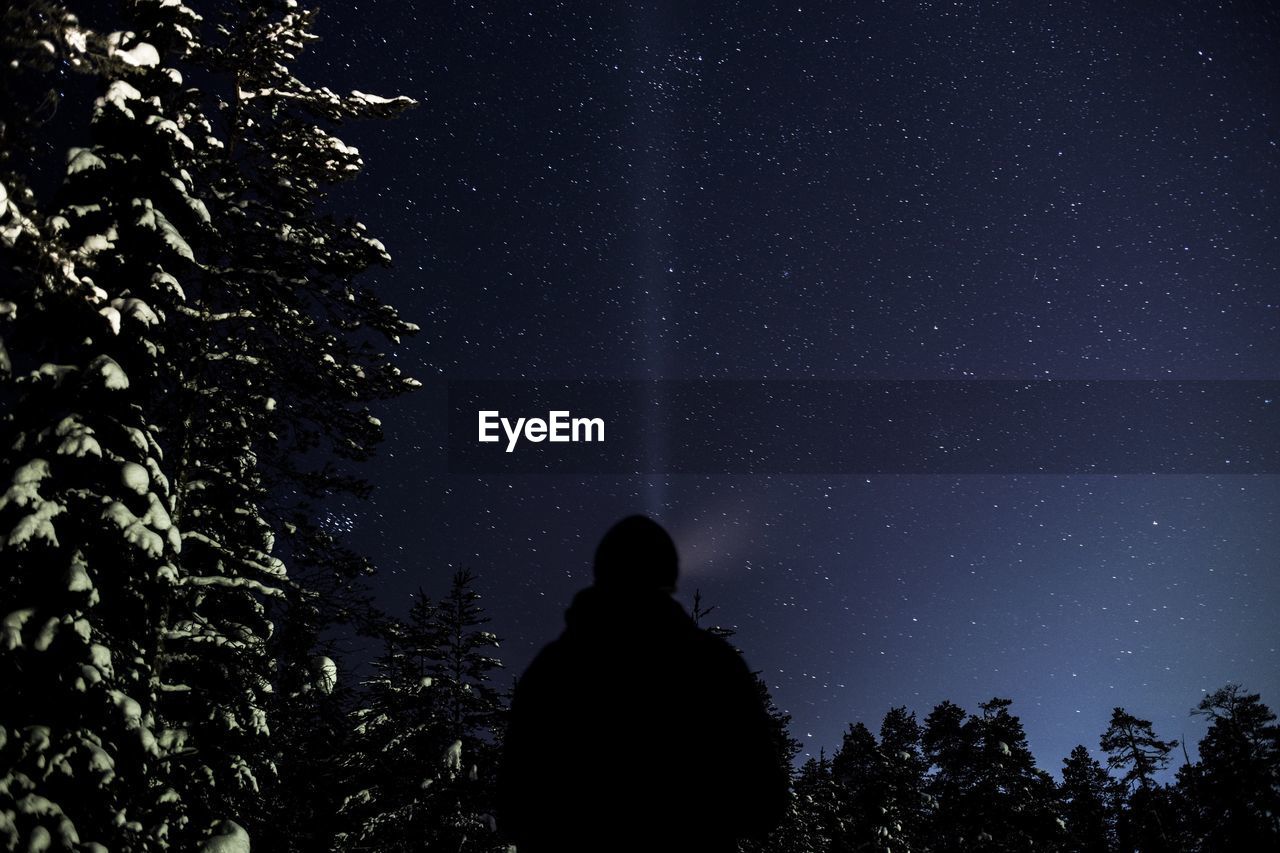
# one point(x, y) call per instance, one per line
point(968, 781)
point(409, 760)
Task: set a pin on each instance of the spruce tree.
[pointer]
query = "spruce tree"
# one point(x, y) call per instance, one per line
point(182, 342)
point(464, 667)
point(855, 770)
point(902, 773)
point(424, 756)
point(813, 820)
point(1090, 799)
point(988, 790)
point(399, 746)
point(91, 545)
point(880, 785)
point(1015, 784)
point(951, 750)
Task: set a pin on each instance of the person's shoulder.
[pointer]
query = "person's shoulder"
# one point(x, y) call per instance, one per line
point(546, 662)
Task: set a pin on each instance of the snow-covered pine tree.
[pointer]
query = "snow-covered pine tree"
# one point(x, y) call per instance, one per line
point(950, 748)
point(90, 542)
point(282, 365)
point(786, 746)
point(475, 715)
point(989, 793)
point(179, 313)
point(325, 602)
point(147, 174)
point(814, 818)
point(902, 774)
point(1024, 796)
point(299, 360)
point(881, 784)
point(297, 811)
point(33, 55)
point(289, 265)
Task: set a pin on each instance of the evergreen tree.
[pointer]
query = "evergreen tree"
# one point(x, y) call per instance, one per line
point(424, 756)
point(325, 603)
point(189, 336)
point(1149, 820)
point(464, 667)
point(400, 747)
point(786, 746)
point(813, 821)
point(1132, 747)
point(855, 769)
point(474, 712)
point(87, 595)
point(880, 785)
point(989, 792)
point(310, 736)
point(903, 769)
point(310, 707)
point(1235, 787)
point(1090, 799)
point(301, 360)
point(949, 747)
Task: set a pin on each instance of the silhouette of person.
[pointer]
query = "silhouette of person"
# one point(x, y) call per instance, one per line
point(635, 729)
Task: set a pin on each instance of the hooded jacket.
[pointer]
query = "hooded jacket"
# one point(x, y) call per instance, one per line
point(636, 730)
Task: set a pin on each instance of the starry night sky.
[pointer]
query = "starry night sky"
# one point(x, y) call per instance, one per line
point(841, 190)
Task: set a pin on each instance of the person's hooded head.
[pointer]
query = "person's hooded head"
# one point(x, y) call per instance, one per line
point(638, 554)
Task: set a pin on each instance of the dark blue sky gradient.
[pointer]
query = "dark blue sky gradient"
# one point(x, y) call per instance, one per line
point(842, 190)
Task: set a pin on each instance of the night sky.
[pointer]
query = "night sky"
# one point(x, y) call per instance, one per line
point(841, 191)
